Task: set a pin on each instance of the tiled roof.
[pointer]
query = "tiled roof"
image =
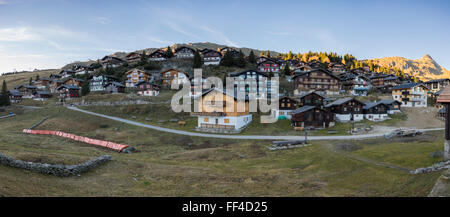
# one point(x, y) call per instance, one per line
point(302, 109)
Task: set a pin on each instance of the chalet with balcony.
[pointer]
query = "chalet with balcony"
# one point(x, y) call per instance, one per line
point(41, 95)
point(286, 105)
point(198, 86)
point(157, 55)
point(184, 52)
point(346, 109)
point(98, 82)
point(68, 91)
point(221, 112)
point(135, 76)
point(377, 80)
point(73, 82)
point(436, 85)
point(313, 98)
point(111, 62)
point(147, 89)
point(251, 82)
point(65, 73)
point(268, 66)
point(133, 57)
point(318, 79)
point(376, 111)
point(361, 85)
point(114, 87)
point(83, 70)
point(337, 68)
point(411, 94)
point(393, 106)
point(26, 90)
point(311, 117)
point(54, 84)
point(174, 76)
point(15, 96)
point(392, 81)
point(211, 57)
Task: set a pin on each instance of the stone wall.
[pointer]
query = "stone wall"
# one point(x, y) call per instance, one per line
point(435, 167)
point(57, 170)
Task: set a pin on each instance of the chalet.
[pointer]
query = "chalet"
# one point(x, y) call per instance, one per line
point(313, 117)
point(291, 63)
point(392, 80)
point(111, 62)
point(133, 57)
point(42, 83)
point(41, 95)
point(184, 52)
point(68, 91)
point(98, 82)
point(82, 70)
point(157, 55)
point(393, 106)
point(221, 112)
point(337, 68)
point(198, 86)
point(147, 89)
point(303, 68)
point(318, 79)
point(223, 50)
point(211, 57)
point(114, 87)
point(261, 59)
point(361, 85)
point(135, 76)
point(376, 111)
point(255, 85)
point(314, 64)
point(52, 76)
point(285, 107)
point(411, 95)
point(268, 66)
point(54, 84)
point(313, 98)
point(346, 109)
point(15, 96)
point(377, 80)
point(74, 82)
point(65, 73)
point(174, 76)
point(436, 85)
point(26, 90)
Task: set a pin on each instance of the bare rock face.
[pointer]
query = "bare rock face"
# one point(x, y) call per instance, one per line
point(425, 68)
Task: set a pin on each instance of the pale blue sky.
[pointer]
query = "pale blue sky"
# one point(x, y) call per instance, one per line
point(51, 33)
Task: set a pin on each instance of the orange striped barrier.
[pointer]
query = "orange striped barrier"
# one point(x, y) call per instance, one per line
point(107, 144)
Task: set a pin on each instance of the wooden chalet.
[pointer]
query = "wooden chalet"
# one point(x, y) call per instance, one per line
point(68, 91)
point(377, 80)
point(148, 89)
point(376, 111)
point(221, 112)
point(133, 57)
point(74, 82)
point(41, 95)
point(26, 90)
point(346, 109)
point(114, 87)
point(15, 96)
point(65, 73)
point(318, 79)
point(135, 76)
point(393, 106)
point(411, 94)
point(97, 83)
point(176, 76)
point(436, 85)
point(211, 57)
point(111, 61)
point(313, 98)
point(286, 105)
point(269, 65)
point(157, 55)
point(251, 81)
point(184, 52)
point(311, 117)
point(54, 84)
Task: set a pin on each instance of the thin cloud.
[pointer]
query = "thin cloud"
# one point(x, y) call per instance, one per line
point(220, 35)
point(178, 29)
point(17, 34)
point(102, 20)
point(159, 41)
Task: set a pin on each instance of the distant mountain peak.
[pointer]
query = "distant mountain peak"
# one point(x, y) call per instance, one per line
point(427, 57)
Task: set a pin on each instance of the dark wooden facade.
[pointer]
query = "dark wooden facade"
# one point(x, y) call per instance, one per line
point(346, 106)
point(311, 116)
point(318, 79)
point(311, 98)
point(287, 103)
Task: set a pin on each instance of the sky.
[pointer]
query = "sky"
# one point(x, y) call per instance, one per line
point(51, 33)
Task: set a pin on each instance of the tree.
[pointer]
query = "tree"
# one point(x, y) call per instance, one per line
point(240, 61)
point(85, 88)
point(198, 62)
point(4, 98)
point(261, 54)
point(287, 70)
point(268, 54)
point(31, 81)
point(169, 52)
point(227, 59)
point(37, 77)
point(290, 55)
point(251, 58)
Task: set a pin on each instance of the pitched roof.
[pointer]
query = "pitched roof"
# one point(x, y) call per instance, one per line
point(341, 101)
point(389, 102)
point(224, 92)
point(373, 104)
point(315, 70)
point(407, 86)
point(444, 97)
point(311, 92)
point(43, 92)
point(437, 80)
point(302, 109)
point(68, 87)
point(114, 83)
point(234, 74)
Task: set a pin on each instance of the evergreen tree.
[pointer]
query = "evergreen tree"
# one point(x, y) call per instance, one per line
point(169, 52)
point(227, 59)
point(4, 98)
point(251, 58)
point(287, 70)
point(198, 62)
point(240, 61)
point(31, 81)
point(37, 77)
point(85, 88)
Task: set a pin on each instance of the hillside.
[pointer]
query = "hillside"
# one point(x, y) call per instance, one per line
point(24, 77)
point(425, 68)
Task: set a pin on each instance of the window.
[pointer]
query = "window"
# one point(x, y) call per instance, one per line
point(226, 120)
point(206, 119)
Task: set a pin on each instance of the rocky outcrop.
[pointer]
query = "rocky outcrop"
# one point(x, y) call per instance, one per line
point(57, 170)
